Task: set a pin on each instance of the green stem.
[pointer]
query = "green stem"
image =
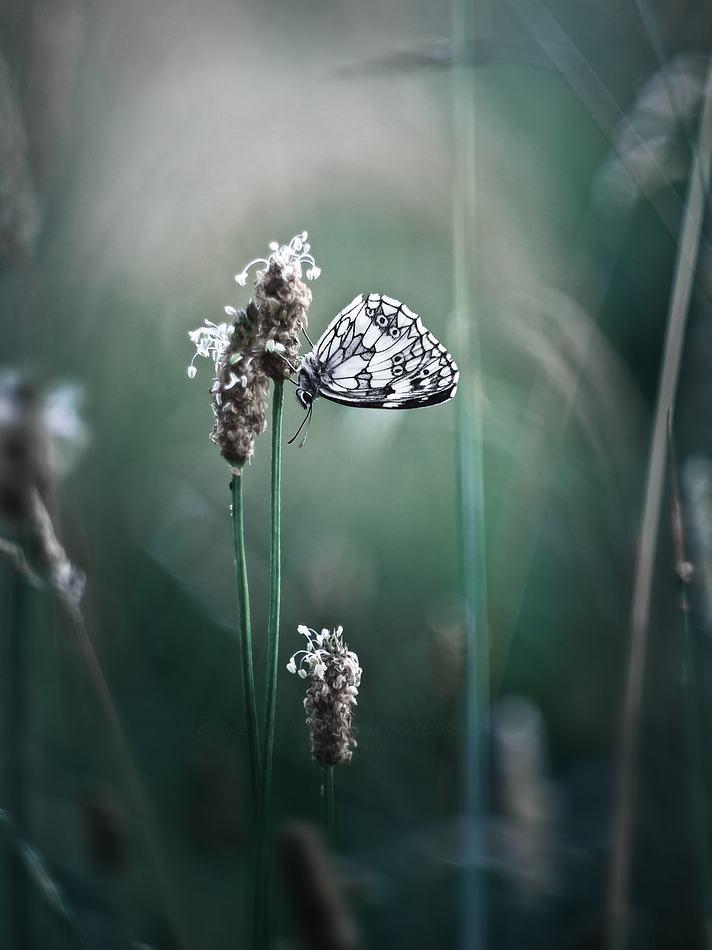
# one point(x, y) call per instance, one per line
point(470, 405)
point(328, 793)
point(275, 571)
point(16, 707)
point(695, 747)
point(245, 636)
point(694, 738)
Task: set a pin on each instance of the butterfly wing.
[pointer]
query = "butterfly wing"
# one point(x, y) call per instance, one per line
point(377, 354)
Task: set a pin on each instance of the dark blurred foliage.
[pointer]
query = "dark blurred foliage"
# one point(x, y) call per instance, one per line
point(147, 153)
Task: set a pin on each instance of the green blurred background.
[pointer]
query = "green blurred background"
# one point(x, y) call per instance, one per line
point(148, 151)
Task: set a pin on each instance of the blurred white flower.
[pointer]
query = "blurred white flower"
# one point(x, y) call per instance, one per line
point(652, 146)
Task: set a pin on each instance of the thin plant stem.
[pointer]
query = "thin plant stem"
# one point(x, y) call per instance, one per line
point(275, 580)
point(473, 788)
point(16, 704)
point(245, 635)
point(699, 806)
point(626, 769)
point(328, 793)
point(694, 740)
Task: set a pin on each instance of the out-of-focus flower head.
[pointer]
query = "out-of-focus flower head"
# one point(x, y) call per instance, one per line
point(37, 438)
point(26, 455)
point(651, 148)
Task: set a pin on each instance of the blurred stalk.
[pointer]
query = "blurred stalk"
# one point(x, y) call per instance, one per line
point(53, 562)
point(34, 867)
point(473, 792)
point(626, 774)
point(16, 745)
point(651, 28)
point(275, 578)
point(606, 113)
point(132, 780)
point(683, 570)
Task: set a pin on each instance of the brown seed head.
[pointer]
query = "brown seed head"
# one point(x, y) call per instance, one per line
point(335, 677)
point(238, 393)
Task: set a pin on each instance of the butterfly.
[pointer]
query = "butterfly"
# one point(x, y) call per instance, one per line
point(376, 354)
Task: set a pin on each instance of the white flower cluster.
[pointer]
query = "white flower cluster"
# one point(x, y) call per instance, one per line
point(261, 344)
point(289, 258)
point(334, 676)
point(211, 340)
point(323, 648)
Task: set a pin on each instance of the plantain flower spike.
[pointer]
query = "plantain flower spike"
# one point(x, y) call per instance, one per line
point(282, 299)
point(335, 677)
point(261, 343)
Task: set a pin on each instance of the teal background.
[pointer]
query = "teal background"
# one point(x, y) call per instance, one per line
point(167, 143)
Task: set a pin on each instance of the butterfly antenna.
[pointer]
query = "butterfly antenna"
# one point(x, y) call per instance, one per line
point(305, 421)
point(306, 431)
point(308, 339)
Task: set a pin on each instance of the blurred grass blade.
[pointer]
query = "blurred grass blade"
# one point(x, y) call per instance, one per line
point(18, 643)
point(133, 782)
point(684, 275)
point(38, 872)
point(683, 569)
point(473, 793)
point(605, 112)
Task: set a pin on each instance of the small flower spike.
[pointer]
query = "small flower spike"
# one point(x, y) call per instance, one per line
point(282, 300)
point(335, 677)
point(240, 385)
point(261, 343)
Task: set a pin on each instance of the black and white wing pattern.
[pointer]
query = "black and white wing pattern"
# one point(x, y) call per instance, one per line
point(376, 354)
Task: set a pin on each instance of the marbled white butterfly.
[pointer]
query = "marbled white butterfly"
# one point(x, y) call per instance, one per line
point(376, 354)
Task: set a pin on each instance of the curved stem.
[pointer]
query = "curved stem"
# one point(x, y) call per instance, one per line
point(625, 801)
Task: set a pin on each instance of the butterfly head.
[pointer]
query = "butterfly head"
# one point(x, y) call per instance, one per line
point(304, 398)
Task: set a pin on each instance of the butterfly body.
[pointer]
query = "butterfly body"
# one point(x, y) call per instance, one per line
point(376, 354)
